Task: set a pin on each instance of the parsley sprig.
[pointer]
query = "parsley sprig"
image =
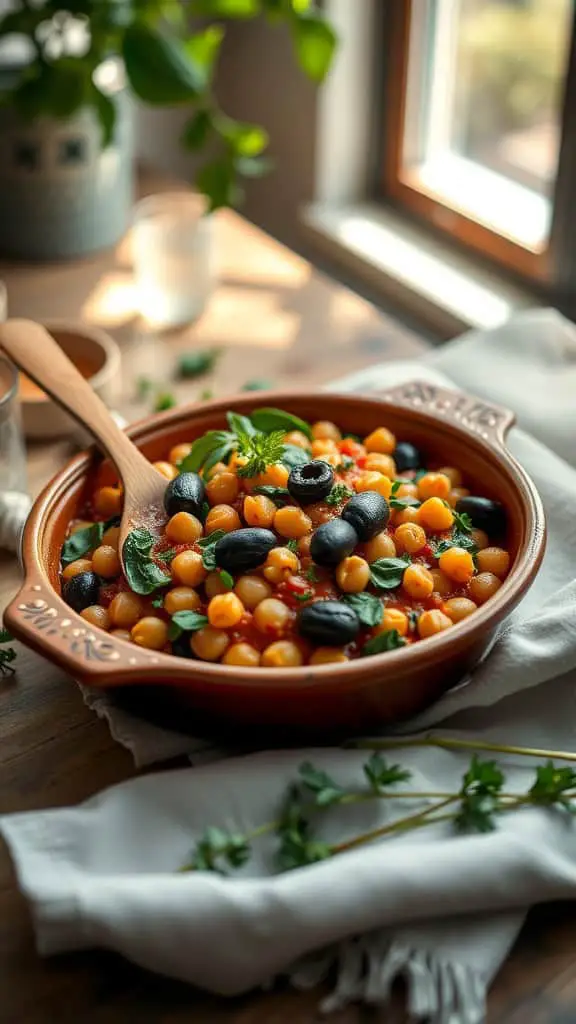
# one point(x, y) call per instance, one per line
point(260, 451)
point(7, 654)
point(473, 807)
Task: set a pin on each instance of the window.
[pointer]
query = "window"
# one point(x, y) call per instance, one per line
point(475, 103)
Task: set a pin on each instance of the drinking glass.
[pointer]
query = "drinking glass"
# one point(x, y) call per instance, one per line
point(14, 500)
point(173, 257)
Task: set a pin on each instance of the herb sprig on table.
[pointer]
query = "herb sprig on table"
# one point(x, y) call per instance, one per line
point(7, 654)
point(474, 807)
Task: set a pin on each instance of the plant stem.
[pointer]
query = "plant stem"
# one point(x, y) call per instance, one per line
point(453, 744)
point(402, 825)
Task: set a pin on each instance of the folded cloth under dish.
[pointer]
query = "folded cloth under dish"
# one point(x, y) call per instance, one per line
point(440, 910)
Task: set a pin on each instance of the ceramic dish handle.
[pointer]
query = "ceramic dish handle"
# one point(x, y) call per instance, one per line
point(484, 419)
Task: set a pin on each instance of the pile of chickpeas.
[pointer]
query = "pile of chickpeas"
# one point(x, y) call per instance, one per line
point(257, 617)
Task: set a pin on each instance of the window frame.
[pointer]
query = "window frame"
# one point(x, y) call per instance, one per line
point(404, 190)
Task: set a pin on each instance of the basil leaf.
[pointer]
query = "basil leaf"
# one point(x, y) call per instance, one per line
point(457, 540)
point(462, 522)
point(195, 364)
point(227, 579)
point(277, 419)
point(279, 495)
point(143, 575)
point(387, 641)
point(208, 548)
point(218, 455)
point(403, 502)
point(387, 573)
point(202, 448)
point(294, 456)
point(206, 542)
point(81, 542)
point(189, 621)
point(240, 424)
point(368, 608)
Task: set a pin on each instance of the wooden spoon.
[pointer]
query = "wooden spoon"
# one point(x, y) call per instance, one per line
point(33, 349)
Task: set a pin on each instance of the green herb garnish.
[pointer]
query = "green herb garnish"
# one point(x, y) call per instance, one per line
point(215, 445)
point(206, 395)
point(81, 542)
point(306, 595)
point(345, 465)
point(7, 654)
point(144, 387)
point(165, 556)
point(368, 608)
point(195, 364)
point(260, 451)
point(164, 400)
point(339, 494)
point(142, 573)
point(279, 495)
point(186, 622)
point(292, 545)
point(294, 456)
point(387, 641)
point(387, 573)
point(207, 546)
point(226, 579)
point(311, 574)
point(462, 521)
point(382, 775)
point(277, 419)
point(257, 385)
point(158, 602)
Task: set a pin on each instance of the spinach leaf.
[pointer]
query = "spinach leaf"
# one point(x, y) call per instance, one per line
point(277, 419)
point(387, 573)
point(81, 542)
point(143, 575)
point(387, 641)
point(368, 608)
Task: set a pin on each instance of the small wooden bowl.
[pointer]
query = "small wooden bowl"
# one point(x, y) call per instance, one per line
point(325, 699)
point(96, 355)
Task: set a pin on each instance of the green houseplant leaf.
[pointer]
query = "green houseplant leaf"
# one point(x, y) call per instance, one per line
point(315, 44)
point(159, 68)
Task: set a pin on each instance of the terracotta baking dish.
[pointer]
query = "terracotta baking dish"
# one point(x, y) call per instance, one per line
point(449, 426)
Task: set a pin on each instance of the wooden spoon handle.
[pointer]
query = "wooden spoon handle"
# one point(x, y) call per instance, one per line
point(33, 349)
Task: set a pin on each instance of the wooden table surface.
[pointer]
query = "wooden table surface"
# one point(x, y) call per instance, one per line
point(274, 317)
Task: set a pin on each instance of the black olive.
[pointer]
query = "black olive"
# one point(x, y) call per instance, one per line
point(81, 591)
point(329, 623)
point(244, 549)
point(332, 542)
point(185, 493)
point(311, 482)
point(368, 512)
point(406, 456)
point(485, 514)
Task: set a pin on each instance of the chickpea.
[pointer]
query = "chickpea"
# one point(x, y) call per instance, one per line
point(480, 539)
point(280, 563)
point(324, 446)
point(125, 609)
point(417, 581)
point(222, 517)
point(373, 482)
point(457, 563)
point(179, 452)
point(381, 440)
point(258, 510)
point(80, 565)
point(353, 574)
point(432, 622)
point(434, 515)
point(242, 654)
point(282, 654)
point(442, 585)
point(108, 502)
point(252, 590)
point(292, 522)
point(404, 515)
point(208, 643)
point(381, 546)
point(213, 585)
point(455, 494)
point(483, 586)
point(433, 485)
point(458, 608)
point(494, 560)
point(105, 562)
point(454, 475)
point(181, 599)
point(326, 430)
point(122, 634)
point(328, 655)
point(272, 616)
point(225, 611)
point(96, 616)
point(222, 489)
point(409, 537)
point(187, 568)
point(111, 537)
point(297, 438)
point(273, 476)
point(393, 618)
point(378, 463)
point(150, 632)
point(166, 469)
point(184, 528)
point(218, 467)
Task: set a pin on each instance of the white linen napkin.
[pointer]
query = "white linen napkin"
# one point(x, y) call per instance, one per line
point(438, 909)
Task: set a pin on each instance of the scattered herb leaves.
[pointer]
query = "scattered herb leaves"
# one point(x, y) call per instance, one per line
point(268, 420)
point(7, 654)
point(320, 784)
point(257, 385)
point(339, 494)
point(144, 387)
point(206, 395)
point(158, 602)
point(142, 574)
point(207, 546)
point(368, 608)
point(240, 424)
point(260, 450)
point(551, 785)
point(81, 542)
point(306, 595)
point(479, 796)
point(217, 849)
point(387, 573)
point(221, 442)
point(196, 364)
point(226, 579)
point(380, 774)
point(462, 521)
point(294, 456)
point(165, 556)
point(292, 545)
point(311, 574)
point(186, 622)
point(390, 640)
point(164, 400)
point(279, 495)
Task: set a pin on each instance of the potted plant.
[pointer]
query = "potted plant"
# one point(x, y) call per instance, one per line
point(65, 124)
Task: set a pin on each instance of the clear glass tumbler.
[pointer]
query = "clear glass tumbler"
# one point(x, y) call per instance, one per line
point(173, 253)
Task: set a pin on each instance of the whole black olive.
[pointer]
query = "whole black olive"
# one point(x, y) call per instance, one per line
point(368, 512)
point(406, 456)
point(185, 493)
point(81, 591)
point(311, 482)
point(485, 514)
point(332, 542)
point(329, 623)
point(244, 549)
